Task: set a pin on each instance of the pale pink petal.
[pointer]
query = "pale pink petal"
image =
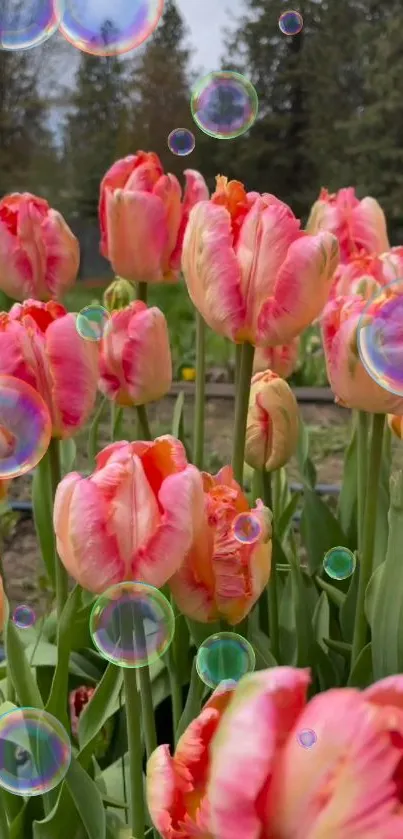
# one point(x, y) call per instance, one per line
point(387, 691)
point(368, 226)
point(195, 190)
point(161, 790)
point(115, 178)
point(169, 191)
point(137, 234)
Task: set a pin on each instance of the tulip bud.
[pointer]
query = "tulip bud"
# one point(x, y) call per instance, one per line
point(272, 425)
point(119, 294)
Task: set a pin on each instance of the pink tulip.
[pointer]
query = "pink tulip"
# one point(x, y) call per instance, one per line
point(263, 783)
point(135, 361)
point(251, 272)
point(132, 519)
point(281, 359)
point(351, 383)
point(363, 275)
point(39, 344)
point(39, 256)
point(358, 225)
point(272, 424)
point(143, 217)
point(220, 576)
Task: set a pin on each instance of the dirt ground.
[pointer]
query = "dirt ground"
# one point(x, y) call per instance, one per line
point(329, 428)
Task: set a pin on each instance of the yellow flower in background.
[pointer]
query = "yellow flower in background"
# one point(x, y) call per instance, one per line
point(188, 374)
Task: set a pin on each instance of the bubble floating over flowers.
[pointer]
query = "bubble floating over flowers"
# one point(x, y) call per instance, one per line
point(25, 427)
point(181, 142)
point(92, 321)
point(35, 752)
point(24, 617)
point(246, 528)
point(307, 738)
point(290, 22)
point(126, 24)
point(224, 657)
point(339, 563)
point(132, 624)
point(224, 104)
point(379, 337)
point(26, 25)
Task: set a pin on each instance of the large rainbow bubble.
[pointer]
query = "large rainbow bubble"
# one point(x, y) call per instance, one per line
point(101, 27)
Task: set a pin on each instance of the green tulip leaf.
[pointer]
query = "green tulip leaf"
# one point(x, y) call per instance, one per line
point(21, 673)
point(362, 675)
point(348, 498)
point(103, 704)
point(319, 529)
point(56, 704)
point(87, 799)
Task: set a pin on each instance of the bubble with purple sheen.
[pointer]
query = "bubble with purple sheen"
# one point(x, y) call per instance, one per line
point(35, 752)
point(247, 528)
point(290, 22)
point(109, 29)
point(26, 25)
point(307, 738)
point(24, 617)
point(25, 427)
point(181, 142)
point(380, 337)
point(224, 104)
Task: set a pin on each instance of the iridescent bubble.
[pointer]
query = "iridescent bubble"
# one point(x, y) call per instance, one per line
point(246, 528)
point(25, 427)
point(380, 337)
point(92, 321)
point(224, 104)
point(307, 738)
point(24, 617)
point(28, 24)
point(181, 142)
point(224, 657)
point(132, 624)
point(290, 22)
point(35, 752)
point(99, 29)
point(339, 563)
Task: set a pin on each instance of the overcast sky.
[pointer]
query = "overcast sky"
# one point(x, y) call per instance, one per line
point(205, 20)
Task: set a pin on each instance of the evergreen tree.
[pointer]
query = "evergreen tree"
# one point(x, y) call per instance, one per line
point(95, 131)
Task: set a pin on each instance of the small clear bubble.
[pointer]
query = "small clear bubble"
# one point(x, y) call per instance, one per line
point(339, 563)
point(35, 752)
point(25, 427)
point(181, 142)
point(224, 657)
point(24, 617)
point(379, 337)
point(290, 22)
point(92, 321)
point(224, 104)
point(307, 738)
point(247, 528)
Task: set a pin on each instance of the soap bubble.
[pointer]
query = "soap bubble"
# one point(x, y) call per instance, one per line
point(92, 321)
point(380, 338)
point(35, 752)
point(28, 24)
point(24, 617)
point(290, 22)
point(224, 104)
point(132, 624)
point(247, 528)
point(224, 657)
point(25, 427)
point(339, 563)
point(307, 738)
point(181, 142)
point(123, 27)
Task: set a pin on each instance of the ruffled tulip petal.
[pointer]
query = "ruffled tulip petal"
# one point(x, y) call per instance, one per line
point(195, 190)
point(262, 711)
point(136, 256)
point(341, 787)
point(161, 789)
point(386, 692)
point(88, 549)
point(301, 290)
point(212, 271)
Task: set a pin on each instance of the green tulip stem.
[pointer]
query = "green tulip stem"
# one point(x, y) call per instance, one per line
point(142, 292)
point(147, 706)
point(198, 427)
point(272, 586)
point(238, 354)
point(241, 410)
point(61, 578)
point(144, 425)
point(193, 702)
point(362, 471)
point(368, 534)
point(133, 718)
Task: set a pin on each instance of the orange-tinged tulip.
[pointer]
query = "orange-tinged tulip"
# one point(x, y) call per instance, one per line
point(135, 361)
point(351, 383)
point(176, 785)
point(396, 425)
point(362, 275)
point(358, 225)
point(143, 217)
point(251, 272)
point(39, 344)
point(281, 359)
point(272, 424)
point(220, 576)
point(39, 255)
point(262, 782)
point(132, 519)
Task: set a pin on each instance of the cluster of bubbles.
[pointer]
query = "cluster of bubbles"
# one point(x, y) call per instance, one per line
point(25, 427)
point(127, 24)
